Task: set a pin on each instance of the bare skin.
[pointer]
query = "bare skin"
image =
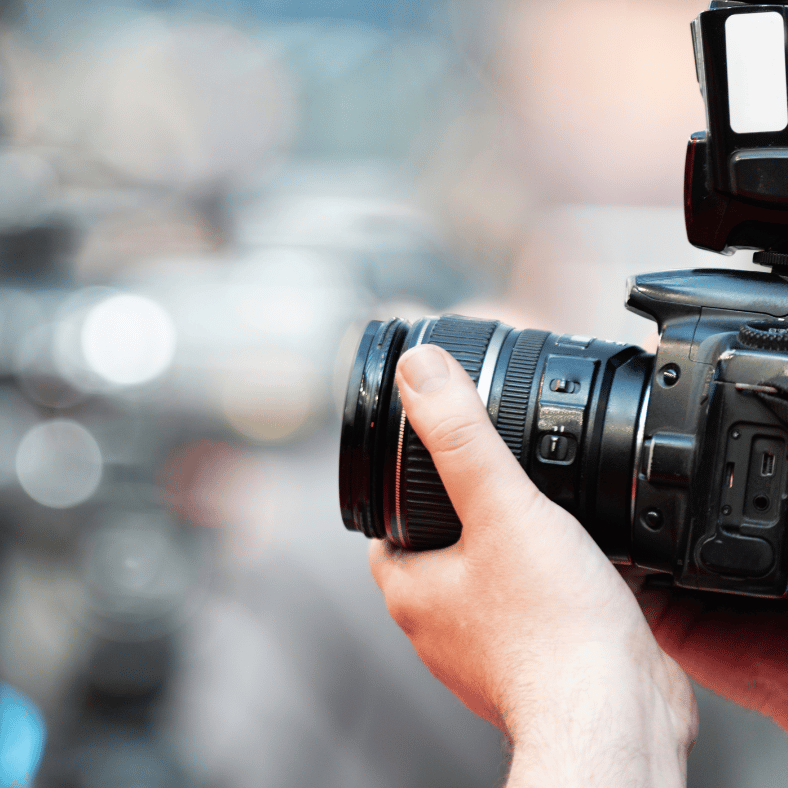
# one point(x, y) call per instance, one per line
point(735, 648)
point(525, 619)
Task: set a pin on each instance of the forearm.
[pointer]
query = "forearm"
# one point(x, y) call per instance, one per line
point(622, 724)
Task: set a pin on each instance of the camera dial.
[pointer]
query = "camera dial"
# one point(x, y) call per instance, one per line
point(765, 334)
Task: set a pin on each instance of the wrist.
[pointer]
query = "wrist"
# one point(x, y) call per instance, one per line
point(621, 724)
point(572, 768)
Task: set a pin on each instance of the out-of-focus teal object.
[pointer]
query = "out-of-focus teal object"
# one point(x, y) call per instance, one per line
point(22, 736)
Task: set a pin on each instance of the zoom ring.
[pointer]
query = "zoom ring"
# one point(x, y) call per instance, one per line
point(430, 519)
point(516, 394)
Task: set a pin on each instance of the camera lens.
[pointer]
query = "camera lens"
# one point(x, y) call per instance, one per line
point(566, 406)
point(364, 418)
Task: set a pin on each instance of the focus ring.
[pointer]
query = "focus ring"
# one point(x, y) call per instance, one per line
point(516, 392)
point(430, 519)
point(465, 339)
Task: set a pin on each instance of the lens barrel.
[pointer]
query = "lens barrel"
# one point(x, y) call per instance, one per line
point(567, 407)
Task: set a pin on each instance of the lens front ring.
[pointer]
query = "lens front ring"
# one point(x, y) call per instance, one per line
point(364, 423)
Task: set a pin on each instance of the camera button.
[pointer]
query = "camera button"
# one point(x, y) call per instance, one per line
point(573, 340)
point(564, 386)
point(557, 448)
point(554, 447)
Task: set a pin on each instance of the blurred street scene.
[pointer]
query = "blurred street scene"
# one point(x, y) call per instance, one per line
point(201, 206)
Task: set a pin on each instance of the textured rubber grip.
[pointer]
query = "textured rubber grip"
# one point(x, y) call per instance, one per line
point(430, 519)
point(516, 393)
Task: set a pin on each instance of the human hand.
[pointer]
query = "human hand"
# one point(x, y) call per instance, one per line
point(524, 618)
point(737, 647)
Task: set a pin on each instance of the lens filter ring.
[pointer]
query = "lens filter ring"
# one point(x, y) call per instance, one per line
point(364, 422)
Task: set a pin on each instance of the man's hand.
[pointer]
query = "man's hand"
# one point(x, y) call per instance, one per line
point(525, 619)
point(736, 647)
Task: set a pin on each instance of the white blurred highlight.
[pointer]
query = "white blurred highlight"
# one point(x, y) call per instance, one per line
point(59, 464)
point(755, 62)
point(128, 339)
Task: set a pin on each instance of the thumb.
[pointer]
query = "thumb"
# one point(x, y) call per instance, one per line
point(482, 477)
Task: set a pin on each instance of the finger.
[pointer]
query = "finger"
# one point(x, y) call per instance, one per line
point(481, 475)
point(411, 582)
point(385, 560)
point(391, 565)
point(382, 561)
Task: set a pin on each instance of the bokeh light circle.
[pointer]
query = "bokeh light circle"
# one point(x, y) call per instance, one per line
point(128, 339)
point(59, 464)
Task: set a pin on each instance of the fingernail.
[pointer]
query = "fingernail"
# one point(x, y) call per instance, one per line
point(424, 369)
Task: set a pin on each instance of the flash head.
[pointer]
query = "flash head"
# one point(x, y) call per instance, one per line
point(736, 171)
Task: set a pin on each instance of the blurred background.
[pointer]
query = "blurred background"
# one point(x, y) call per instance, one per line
point(201, 206)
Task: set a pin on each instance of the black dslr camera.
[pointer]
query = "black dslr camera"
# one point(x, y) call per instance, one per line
point(675, 462)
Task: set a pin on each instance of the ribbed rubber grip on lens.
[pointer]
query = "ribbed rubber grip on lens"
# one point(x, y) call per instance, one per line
point(430, 519)
point(465, 339)
point(516, 393)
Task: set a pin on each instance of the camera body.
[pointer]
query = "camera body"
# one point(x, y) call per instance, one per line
point(709, 503)
point(710, 491)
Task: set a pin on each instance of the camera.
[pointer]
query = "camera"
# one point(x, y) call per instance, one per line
point(676, 462)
